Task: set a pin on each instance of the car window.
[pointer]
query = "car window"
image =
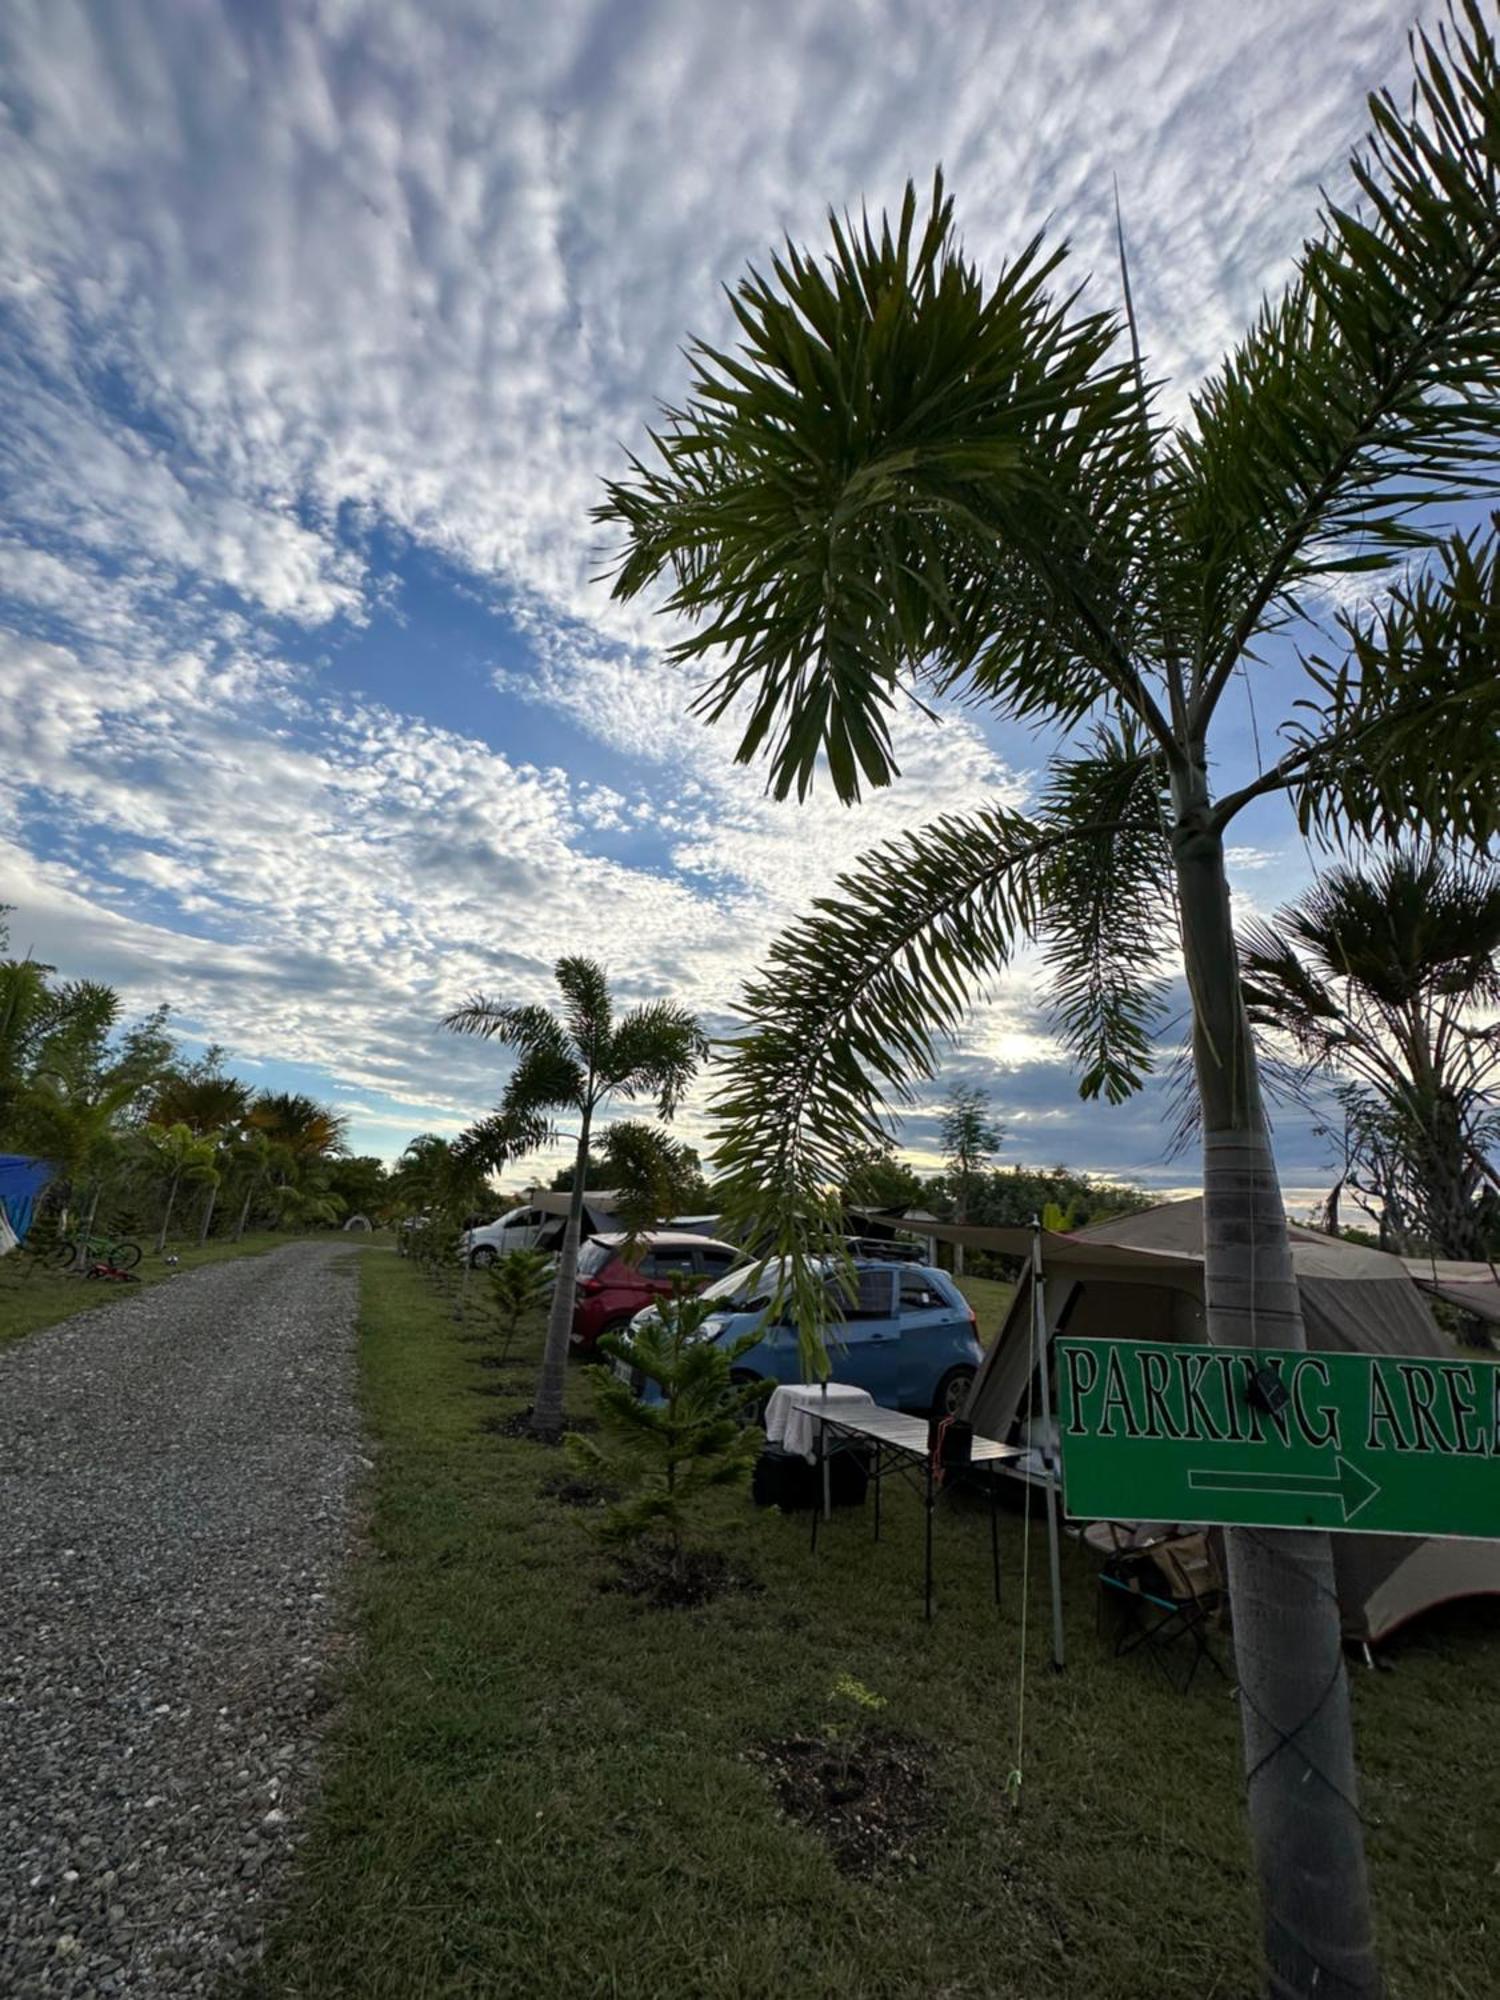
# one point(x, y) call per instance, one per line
point(667, 1262)
point(528, 1218)
point(717, 1262)
point(592, 1259)
point(919, 1293)
point(875, 1299)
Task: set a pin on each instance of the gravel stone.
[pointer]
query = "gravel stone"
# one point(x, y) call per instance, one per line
point(176, 1508)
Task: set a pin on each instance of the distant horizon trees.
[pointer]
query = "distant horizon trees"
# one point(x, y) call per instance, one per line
point(142, 1136)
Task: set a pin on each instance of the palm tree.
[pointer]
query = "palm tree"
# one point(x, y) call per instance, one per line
point(913, 477)
point(575, 1065)
point(253, 1156)
point(970, 1137)
point(182, 1156)
point(300, 1125)
point(212, 1106)
point(1381, 978)
point(205, 1101)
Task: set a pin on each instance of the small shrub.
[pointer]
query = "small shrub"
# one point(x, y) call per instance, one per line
point(520, 1288)
point(663, 1456)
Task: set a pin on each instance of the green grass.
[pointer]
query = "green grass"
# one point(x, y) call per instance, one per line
point(31, 1297)
point(990, 1298)
point(537, 1788)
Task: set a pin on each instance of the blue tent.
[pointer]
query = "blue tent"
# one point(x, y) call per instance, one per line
point(21, 1181)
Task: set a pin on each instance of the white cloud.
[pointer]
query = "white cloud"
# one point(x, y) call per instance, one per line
point(278, 280)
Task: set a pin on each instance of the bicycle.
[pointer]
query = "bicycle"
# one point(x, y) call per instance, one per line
point(119, 1253)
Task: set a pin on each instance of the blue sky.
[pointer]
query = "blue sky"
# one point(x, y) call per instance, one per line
point(319, 326)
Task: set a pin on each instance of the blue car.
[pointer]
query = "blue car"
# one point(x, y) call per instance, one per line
point(909, 1338)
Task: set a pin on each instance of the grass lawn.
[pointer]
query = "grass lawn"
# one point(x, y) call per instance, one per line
point(536, 1787)
point(990, 1298)
point(31, 1298)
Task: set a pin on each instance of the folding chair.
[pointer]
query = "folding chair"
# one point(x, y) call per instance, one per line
point(1167, 1591)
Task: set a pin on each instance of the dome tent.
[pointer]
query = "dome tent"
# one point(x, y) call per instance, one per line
point(21, 1181)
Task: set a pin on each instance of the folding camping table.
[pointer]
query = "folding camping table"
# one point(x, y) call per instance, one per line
point(902, 1447)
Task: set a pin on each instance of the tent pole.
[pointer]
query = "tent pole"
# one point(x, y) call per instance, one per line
point(1039, 1344)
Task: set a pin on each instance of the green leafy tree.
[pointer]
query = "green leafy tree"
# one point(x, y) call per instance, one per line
point(970, 1138)
point(574, 1065)
point(666, 1455)
point(520, 1285)
point(362, 1183)
point(910, 475)
point(875, 1178)
point(1386, 979)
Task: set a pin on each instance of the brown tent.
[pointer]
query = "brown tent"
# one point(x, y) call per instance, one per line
point(1140, 1277)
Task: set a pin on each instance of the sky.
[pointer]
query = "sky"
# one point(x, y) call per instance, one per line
point(321, 324)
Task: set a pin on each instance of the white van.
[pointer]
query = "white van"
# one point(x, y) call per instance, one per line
point(517, 1229)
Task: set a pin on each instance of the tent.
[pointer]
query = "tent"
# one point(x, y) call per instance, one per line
point(1473, 1288)
point(21, 1181)
point(1140, 1277)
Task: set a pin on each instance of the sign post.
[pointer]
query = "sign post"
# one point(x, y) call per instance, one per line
point(1272, 1438)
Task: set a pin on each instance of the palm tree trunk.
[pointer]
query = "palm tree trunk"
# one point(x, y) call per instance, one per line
point(547, 1415)
point(88, 1229)
point(208, 1215)
point(1294, 1693)
point(161, 1235)
point(239, 1228)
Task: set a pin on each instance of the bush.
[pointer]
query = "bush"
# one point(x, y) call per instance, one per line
point(663, 1456)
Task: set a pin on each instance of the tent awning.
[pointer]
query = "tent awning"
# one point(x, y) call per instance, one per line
point(1473, 1288)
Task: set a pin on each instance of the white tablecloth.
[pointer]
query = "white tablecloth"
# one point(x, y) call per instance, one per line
point(791, 1413)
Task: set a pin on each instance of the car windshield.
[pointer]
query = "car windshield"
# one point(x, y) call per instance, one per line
point(592, 1259)
point(749, 1289)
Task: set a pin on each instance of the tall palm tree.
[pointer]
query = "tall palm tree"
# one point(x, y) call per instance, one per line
point(181, 1156)
point(253, 1156)
point(302, 1126)
point(573, 1066)
point(205, 1102)
point(912, 477)
point(1387, 978)
point(212, 1106)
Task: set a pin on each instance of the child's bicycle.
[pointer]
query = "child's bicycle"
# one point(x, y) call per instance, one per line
point(113, 1253)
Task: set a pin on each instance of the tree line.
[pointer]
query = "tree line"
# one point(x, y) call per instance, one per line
point(145, 1138)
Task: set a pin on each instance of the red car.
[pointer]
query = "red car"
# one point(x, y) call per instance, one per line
point(611, 1291)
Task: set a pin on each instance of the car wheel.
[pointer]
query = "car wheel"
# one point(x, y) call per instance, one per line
point(483, 1256)
point(953, 1392)
point(589, 1351)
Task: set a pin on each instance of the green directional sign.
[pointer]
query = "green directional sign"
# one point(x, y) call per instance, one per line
point(1374, 1443)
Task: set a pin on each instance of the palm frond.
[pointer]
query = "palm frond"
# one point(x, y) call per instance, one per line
point(654, 1052)
point(1107, 909)
point(849, 1011)
point(653, 1175)
point(895, 458)
point(544, 1080)
point(1400, 739)
point(492, 1143)
point(516, 1026)
point(1371, 386)
point(584, 986)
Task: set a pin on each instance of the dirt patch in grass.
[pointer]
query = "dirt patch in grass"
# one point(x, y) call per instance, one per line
point(870, 1801)
point(571, 1491)
point(678, 1583)
point(519, 1425)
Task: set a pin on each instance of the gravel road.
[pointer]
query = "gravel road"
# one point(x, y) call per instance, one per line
point(176, 1481)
